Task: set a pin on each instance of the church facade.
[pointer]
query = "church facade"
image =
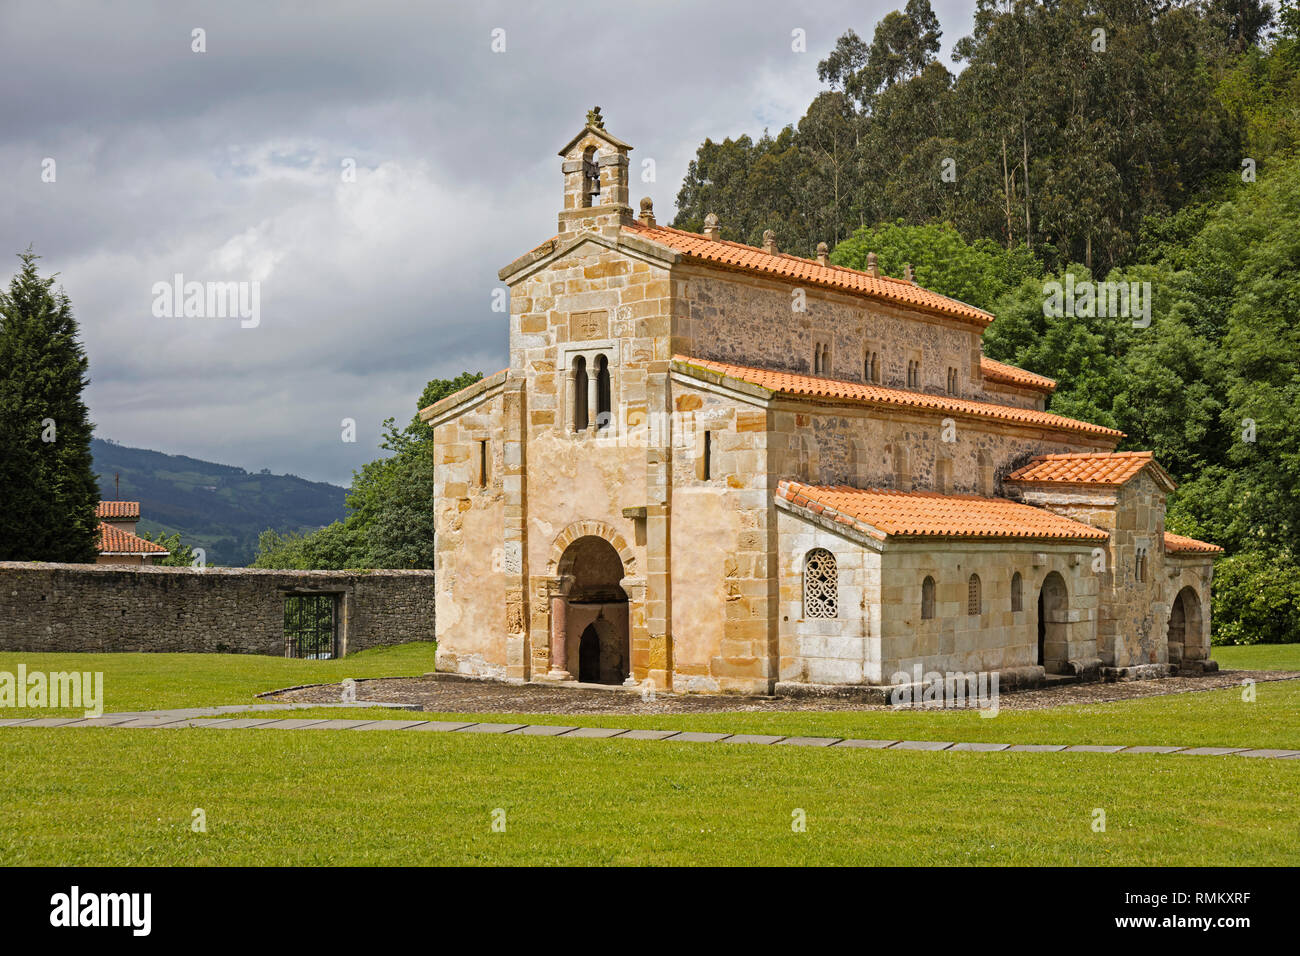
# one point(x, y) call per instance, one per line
point(722, 468)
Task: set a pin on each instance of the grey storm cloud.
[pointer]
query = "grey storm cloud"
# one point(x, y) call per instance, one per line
point(227, 165)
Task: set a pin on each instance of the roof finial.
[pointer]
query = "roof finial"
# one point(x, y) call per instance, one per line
point(769, 242)
point(712, 231)
point(823, 254)
point(873, 265)
point(907, 273)
point(594, 118)
point(648, 211)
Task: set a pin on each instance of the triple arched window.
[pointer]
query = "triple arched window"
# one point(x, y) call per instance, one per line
point(821, 590)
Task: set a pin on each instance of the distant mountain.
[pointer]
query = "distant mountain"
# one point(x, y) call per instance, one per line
point(219, 508)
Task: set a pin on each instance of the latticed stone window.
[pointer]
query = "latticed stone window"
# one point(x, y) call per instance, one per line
point(1017, 592)
point(973, 595)
point(927, 598)
point(821, 593)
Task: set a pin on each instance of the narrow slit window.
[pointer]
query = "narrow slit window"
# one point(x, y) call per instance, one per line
point(708, 455)
point(482, 463)
point(603, 404)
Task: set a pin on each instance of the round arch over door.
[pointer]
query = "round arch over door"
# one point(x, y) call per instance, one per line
point(593, 638)
point(1186, 635)
point(1053, 618)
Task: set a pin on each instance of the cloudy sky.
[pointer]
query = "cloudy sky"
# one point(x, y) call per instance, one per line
point(228, 165)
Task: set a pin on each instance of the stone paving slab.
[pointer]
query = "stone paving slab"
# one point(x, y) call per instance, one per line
point(696, 737)
point(1095, 748)
point(339, 724)
point(1269, 753)
point(809, 741)
point(1149, 750)
point(1212, 751)
point(237, 723)
point(490, 728)
point(392, 725)
point(52, 721)
point(1037, 748)
point(648, 734)
point(981, 747)
point(104, 721)
point(441, 725)
point(294, 723)
point(542, 730)
point(596, 732)
point(159, 722)
point(753, 739)
point(866, 744)
point(922, 745)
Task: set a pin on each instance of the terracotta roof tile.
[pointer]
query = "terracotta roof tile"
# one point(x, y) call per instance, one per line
point(116, 541)
point(883, 513)
point(1005, 374)
point(1100, 468)
point(1178, 544)
point(735, 255)
point(812, 386)
point(118, 510)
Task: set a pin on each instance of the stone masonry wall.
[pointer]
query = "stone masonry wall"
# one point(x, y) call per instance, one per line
point(108, 608)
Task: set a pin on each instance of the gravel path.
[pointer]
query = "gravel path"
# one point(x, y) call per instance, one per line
point(447, 694)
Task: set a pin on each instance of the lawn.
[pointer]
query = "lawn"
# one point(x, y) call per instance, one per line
point(1210, 718)
point(104, 797)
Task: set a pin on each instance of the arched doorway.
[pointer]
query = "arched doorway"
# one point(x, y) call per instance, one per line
point(596, 646)
point(1185, 638)
point(1053, 615)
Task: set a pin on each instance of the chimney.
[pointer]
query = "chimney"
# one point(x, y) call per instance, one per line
point(647, 211)
point(873, 266)
point(769, 243)
point(823, 254)
point(711, 230)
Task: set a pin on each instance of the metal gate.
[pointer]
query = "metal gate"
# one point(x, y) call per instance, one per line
point(311, 626)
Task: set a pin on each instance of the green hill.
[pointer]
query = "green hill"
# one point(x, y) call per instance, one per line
point(219, 508)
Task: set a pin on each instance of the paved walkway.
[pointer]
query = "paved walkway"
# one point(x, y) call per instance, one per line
point(201, 717)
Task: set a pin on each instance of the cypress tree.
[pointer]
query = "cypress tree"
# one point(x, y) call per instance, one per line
point(47, 480)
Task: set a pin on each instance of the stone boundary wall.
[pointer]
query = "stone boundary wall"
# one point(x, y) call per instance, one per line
point(87, 607)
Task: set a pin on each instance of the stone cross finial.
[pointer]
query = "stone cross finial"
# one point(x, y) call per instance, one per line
point(648, 211)
point(769, 242)
point(873, 266)
point(823, 254)
point(594, 118)
point(907, 273)
point(711, 228)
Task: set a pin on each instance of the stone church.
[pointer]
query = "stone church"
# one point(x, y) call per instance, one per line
point(722, 468)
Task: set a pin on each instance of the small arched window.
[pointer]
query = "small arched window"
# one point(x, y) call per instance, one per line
point(580, 394)
point(603, 413)
point(927, 598)
point(973, 598)
point(1017, 592)
point(821, 591)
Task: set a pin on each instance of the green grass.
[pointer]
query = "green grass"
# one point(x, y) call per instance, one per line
point(1260, 657)
point(110, 797)
point(1222, 718)
point(162, 681)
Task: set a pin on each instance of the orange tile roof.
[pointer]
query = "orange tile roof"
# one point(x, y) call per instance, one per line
point(1005, 374)
point(882, 513)
point(736, 255)
point(812, 386)
point(1178, 544)
point(118, 511)
point(1100, 468)
point(116, 541)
